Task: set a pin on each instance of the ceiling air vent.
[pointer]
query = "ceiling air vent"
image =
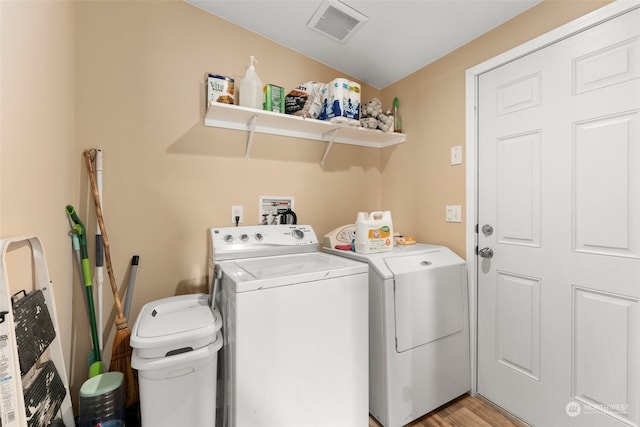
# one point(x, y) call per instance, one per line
point(336, 20)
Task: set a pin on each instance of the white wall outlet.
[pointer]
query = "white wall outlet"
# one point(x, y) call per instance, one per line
point(271, 206)
point(454, 213)
point(456, 155)
point(237, 212)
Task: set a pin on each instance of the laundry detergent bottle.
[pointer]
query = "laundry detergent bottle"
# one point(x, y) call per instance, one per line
point(374, 233)
point(251, 91)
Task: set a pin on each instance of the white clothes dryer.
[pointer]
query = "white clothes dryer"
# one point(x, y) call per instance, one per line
point(295, 323)
point(419, 330)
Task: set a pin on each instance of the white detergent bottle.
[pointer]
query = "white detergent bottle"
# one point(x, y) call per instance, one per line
point(251, 90)
point(374, 233)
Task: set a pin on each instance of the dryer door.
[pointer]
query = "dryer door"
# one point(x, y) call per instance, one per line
point(429, 302)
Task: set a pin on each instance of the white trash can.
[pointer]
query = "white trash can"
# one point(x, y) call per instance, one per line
point(175, 344)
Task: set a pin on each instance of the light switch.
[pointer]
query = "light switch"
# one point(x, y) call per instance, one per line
point(454, 213)
point(456, 155)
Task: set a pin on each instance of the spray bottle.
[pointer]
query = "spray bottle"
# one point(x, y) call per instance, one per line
point(251, 92)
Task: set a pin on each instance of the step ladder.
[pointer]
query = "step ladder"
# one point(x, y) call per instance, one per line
point(31, 360)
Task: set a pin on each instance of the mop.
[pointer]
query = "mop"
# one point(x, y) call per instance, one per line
point(95, 367)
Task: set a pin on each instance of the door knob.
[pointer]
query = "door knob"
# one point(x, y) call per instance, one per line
point(486, 253)
point(487, 230)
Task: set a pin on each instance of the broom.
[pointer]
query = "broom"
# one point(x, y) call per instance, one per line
point(121, 350)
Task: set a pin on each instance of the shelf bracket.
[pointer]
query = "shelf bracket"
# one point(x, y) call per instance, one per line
point(252, 127)
point(333, 134)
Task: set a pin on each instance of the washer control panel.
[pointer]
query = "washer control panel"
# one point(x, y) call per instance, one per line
point(261, 240)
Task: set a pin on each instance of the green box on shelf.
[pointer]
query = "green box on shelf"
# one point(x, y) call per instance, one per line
point(274, 98)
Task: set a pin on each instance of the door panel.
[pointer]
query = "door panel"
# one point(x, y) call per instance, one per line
point(518, 94)
point(607, 372)
point(559, 181)
point(611, 65)
point(518, 324)
point(518, 189)
point(605, 171)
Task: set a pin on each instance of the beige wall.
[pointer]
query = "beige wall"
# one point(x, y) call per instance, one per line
point(418, 180)
point(37, 143)
point(138, 69)
point(167, 178)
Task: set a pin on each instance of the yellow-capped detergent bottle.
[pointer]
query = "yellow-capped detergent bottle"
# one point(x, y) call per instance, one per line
point(374, 232)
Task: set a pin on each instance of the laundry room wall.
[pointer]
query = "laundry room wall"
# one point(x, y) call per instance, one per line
point(167, 178)
point(418, 181)
point(37, 136)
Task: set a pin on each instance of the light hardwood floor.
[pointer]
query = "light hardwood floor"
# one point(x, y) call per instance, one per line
point(465, 411)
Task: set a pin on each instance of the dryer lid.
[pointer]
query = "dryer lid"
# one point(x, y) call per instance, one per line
point(442, 257)
point(386, 264)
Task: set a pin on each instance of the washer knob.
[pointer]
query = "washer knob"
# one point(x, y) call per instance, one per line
point(228, 238)
point(297, 233)
point(259, 237)
point(244, 237)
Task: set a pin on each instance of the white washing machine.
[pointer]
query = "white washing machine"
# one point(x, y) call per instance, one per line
point(295, 326)
point(419, 330)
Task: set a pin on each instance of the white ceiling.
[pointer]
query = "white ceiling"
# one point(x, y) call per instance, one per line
point(400, 36)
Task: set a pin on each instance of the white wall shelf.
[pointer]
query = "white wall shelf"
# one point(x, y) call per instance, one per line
point(258, 121)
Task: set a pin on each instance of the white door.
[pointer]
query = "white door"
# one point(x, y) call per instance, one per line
point(559, 184)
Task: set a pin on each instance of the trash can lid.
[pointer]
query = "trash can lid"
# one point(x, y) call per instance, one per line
point(168, 324)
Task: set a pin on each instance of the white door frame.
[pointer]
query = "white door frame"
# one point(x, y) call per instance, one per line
point(472, 75)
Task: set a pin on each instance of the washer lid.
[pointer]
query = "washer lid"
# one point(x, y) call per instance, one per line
point(169, 324)
point(269, 272)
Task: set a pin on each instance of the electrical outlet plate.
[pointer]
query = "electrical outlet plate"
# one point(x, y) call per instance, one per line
point(237, 210)
point(456, 155)
point(271, 206)
point(454, 213)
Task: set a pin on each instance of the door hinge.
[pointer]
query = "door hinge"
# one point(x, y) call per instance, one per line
point(477, 229)
point(476, 250)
